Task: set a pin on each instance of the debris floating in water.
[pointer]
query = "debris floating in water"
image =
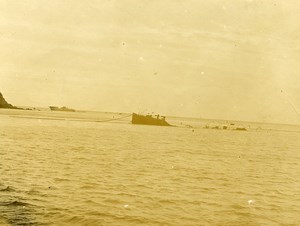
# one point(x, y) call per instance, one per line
point(126, 206)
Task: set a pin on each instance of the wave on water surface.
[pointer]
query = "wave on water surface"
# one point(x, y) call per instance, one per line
point(68, 172)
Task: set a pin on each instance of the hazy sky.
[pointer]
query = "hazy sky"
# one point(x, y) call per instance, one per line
point(233, 59)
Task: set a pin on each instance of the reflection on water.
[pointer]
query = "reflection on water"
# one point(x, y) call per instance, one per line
point(80, 172)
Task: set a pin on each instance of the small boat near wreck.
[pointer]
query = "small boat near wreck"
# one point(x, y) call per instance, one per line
point(226, 127)
point(149, 120)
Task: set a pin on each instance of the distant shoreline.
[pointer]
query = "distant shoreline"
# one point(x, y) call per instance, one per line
point(170, 117)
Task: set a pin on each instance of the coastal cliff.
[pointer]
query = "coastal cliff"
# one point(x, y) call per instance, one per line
point(4, 104)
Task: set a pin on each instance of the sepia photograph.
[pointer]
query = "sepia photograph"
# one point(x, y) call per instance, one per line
point(154, 113)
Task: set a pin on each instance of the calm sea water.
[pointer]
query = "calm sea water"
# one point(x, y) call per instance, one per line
point(61, 168)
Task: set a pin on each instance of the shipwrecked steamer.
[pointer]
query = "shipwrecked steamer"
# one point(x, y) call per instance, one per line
point(149, 120)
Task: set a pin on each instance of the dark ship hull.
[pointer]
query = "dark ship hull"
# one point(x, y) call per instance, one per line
point(149, 120)
point(53, 108)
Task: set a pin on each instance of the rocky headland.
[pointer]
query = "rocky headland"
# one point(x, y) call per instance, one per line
point(4, 104)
